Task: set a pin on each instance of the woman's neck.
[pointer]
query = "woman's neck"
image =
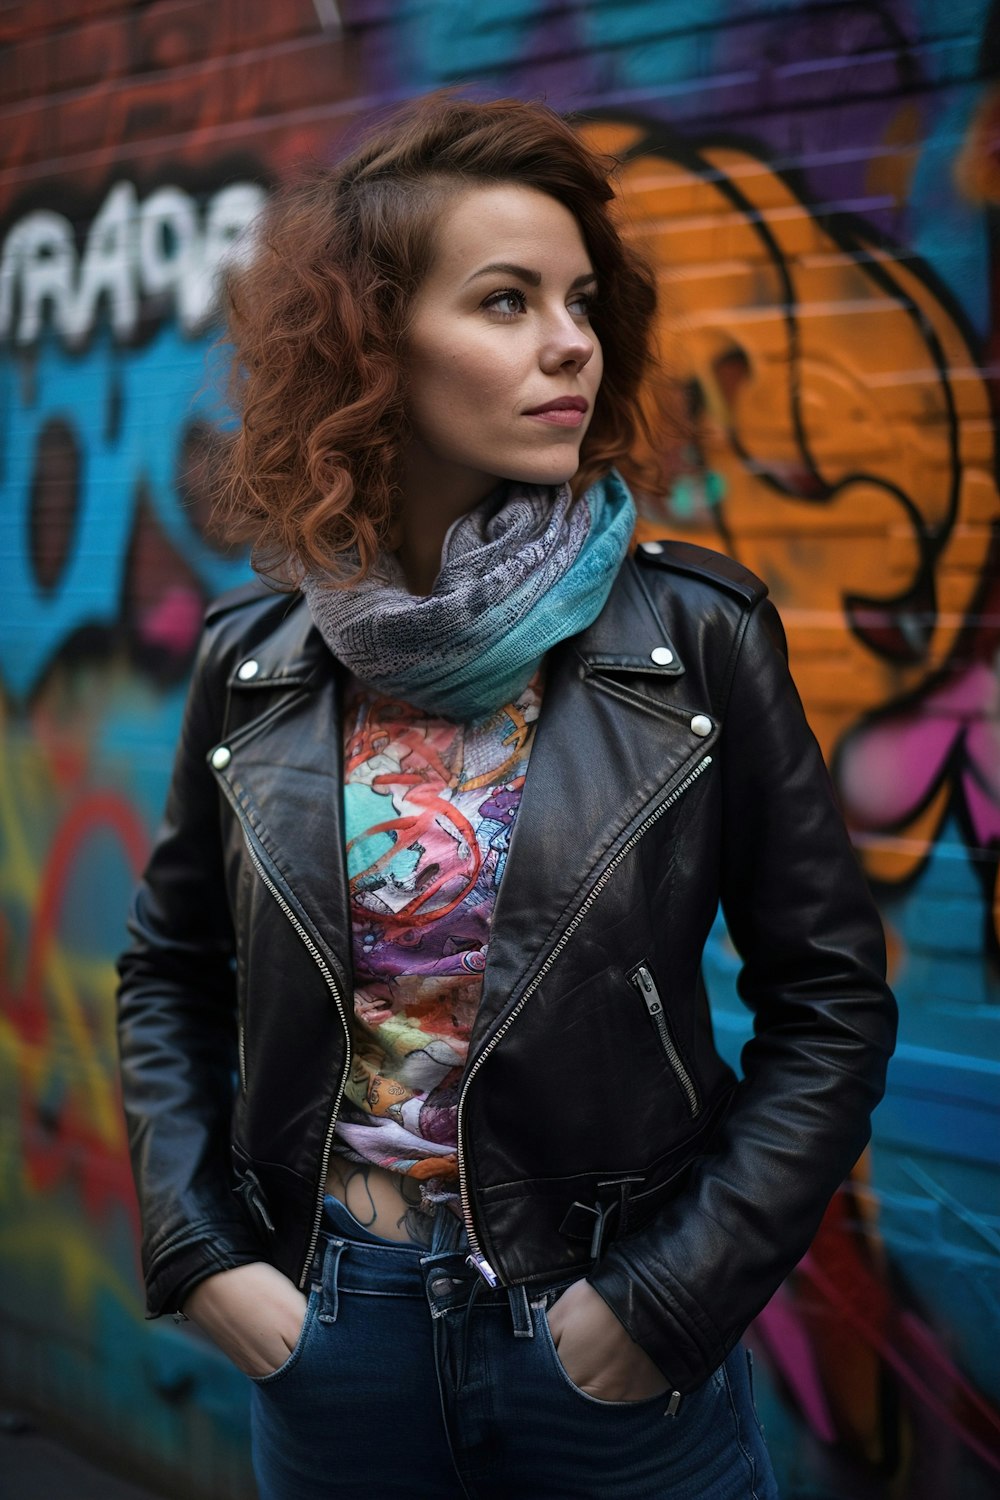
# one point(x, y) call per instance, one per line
point(423, 531)
point(432, 503)
point(419, 554)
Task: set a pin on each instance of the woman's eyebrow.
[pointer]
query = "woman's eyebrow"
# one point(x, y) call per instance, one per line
point(522, 273)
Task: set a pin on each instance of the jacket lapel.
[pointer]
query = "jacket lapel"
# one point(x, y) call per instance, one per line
point(614, 738)
point(284, 776)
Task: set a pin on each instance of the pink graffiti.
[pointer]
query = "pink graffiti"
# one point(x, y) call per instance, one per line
point(838, 1319)
point(173, 622)
point(890, 767)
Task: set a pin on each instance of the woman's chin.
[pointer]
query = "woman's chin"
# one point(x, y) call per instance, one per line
point(544, 474)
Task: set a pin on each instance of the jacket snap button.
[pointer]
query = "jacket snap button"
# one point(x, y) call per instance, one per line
point(441, 1286)
point(652, 549)
point(661, 655)
point(248, 670)
point(221, 757)
point(701, 725)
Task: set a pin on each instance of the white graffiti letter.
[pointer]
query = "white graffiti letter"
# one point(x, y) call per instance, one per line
point(228, 238)
point(39, 259)
point(168, 241)
point(109, 266)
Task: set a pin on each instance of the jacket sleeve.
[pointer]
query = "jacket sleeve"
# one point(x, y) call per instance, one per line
point(177, 1030)
point(813, 973)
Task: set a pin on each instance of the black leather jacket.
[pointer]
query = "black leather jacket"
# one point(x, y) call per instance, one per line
point(599, 1131)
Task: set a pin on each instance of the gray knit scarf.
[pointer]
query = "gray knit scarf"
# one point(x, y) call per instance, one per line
point(526, 568)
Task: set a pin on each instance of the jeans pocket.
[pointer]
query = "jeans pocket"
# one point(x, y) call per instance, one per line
point(552, 1352)
point(294, 1354)
point(753, 1394)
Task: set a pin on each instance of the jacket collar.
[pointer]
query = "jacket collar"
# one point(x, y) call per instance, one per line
point(629, 619)
point(293, 655)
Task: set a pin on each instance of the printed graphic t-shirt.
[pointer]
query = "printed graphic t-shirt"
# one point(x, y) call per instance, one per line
point(429, 808)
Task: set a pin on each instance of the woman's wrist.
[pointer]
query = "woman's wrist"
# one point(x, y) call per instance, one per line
point(252, 1312)
point(596, 1350)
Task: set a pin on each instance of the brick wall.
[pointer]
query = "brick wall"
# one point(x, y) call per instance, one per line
point(819, 186)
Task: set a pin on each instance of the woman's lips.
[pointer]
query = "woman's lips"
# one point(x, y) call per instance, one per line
point(566, 411)
point(559, 416)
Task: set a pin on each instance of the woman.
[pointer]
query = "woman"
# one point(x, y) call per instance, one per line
point(484, 1226)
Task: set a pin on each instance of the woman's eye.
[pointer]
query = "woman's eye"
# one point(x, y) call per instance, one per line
point(509, 303)
point(581, 305)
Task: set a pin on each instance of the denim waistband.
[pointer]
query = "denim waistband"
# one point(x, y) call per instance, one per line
point(356, 1261)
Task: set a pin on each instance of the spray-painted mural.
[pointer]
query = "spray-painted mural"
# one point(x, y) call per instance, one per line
point(829, 273)
point(105, 572)
point(869, 503)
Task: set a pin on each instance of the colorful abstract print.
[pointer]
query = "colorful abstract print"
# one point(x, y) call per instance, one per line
point(429, 808)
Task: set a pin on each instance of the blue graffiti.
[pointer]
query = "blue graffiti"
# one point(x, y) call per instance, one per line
point(158, 391)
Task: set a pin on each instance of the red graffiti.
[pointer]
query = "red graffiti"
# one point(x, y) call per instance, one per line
point(60, 1140)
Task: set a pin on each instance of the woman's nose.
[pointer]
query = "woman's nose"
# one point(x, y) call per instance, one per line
point(568, 347)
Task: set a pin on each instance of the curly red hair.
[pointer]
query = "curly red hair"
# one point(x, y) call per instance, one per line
point(318, 318)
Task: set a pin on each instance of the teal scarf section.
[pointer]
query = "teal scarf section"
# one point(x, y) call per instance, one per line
point(524, 570)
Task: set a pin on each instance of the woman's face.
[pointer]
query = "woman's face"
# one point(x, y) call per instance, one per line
point(502, 362)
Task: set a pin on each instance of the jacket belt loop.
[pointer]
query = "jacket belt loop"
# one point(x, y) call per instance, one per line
point(520, 1312)
point(602, 1212)
point(625, 1191)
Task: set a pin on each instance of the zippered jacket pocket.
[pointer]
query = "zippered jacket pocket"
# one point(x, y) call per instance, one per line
point(644, 982)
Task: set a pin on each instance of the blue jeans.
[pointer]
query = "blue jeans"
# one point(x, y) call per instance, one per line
point(412, 1377)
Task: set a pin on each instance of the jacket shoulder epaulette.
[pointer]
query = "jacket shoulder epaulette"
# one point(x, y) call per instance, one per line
point(702, 562)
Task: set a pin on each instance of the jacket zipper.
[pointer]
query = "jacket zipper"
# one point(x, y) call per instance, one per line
point(331, 983)
point(476, 1258)
point(646, 985)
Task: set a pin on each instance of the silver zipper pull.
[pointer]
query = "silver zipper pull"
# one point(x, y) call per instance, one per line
point(650, 994)
point(477, 1260)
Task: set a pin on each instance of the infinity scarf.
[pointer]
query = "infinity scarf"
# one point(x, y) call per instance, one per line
point(522, 571)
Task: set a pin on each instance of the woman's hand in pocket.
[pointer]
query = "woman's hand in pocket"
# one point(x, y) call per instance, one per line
point(253, 1312)
point(596, 1351)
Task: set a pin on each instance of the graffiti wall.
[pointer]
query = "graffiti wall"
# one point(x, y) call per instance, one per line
point(819, 187)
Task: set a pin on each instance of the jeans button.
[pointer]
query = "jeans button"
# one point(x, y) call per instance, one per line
point(441, 1286)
